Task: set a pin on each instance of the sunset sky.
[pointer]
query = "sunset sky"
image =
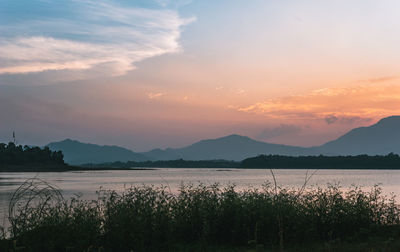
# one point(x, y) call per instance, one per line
point(155, 74)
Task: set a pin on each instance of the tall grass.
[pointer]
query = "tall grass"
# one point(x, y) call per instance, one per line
point(147, 218)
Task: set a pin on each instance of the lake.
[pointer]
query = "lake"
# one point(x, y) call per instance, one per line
point(87, 183)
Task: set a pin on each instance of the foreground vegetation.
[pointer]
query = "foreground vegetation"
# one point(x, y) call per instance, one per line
point(203, 218)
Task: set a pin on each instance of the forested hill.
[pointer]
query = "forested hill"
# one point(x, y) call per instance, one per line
point(20, 157)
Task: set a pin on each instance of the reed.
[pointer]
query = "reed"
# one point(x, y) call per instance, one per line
point(201, 217)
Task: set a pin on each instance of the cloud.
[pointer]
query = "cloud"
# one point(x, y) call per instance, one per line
point(155, 95)
point(333, 105)
point(175, 3)
point(240, 91)
point(281, 130)
point(381, 79)
point(100, 34)
point(331, 119)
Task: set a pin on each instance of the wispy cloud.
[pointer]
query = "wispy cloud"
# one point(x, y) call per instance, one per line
point(101, 35)
point(380, 79)
point(240, 91)
point(333, 105)
point(155, 95)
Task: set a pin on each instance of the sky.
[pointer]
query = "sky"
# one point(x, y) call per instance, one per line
point(162, 73)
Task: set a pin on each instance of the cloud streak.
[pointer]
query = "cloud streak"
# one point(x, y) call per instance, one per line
point(381, 79)
point(333, 105)
point(153, 96)
point(101, 35)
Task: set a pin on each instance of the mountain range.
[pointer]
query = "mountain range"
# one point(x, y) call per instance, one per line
point(380, 138)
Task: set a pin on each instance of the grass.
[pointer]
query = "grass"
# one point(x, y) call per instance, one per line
point(203, 218)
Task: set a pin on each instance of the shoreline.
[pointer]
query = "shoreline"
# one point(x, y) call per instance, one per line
point(80, 168)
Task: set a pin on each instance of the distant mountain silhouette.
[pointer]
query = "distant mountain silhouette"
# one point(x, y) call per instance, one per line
point(76, 153)
point(232, 147)
point(380, 138)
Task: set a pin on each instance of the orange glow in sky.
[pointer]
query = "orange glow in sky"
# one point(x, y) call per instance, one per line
point(148, 75)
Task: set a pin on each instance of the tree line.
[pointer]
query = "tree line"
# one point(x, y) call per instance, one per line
point(12, 154)
point(390, 161)
point(179, 163)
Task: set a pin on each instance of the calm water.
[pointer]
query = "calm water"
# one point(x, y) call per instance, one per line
point(87, 182)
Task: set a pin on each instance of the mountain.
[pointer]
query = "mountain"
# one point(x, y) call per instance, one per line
point(232, 147)
point(380, 138)
point(76, 153)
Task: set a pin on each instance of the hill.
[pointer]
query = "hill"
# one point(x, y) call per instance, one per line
point(76, 153)
point(232, 147)
point(378, 139)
